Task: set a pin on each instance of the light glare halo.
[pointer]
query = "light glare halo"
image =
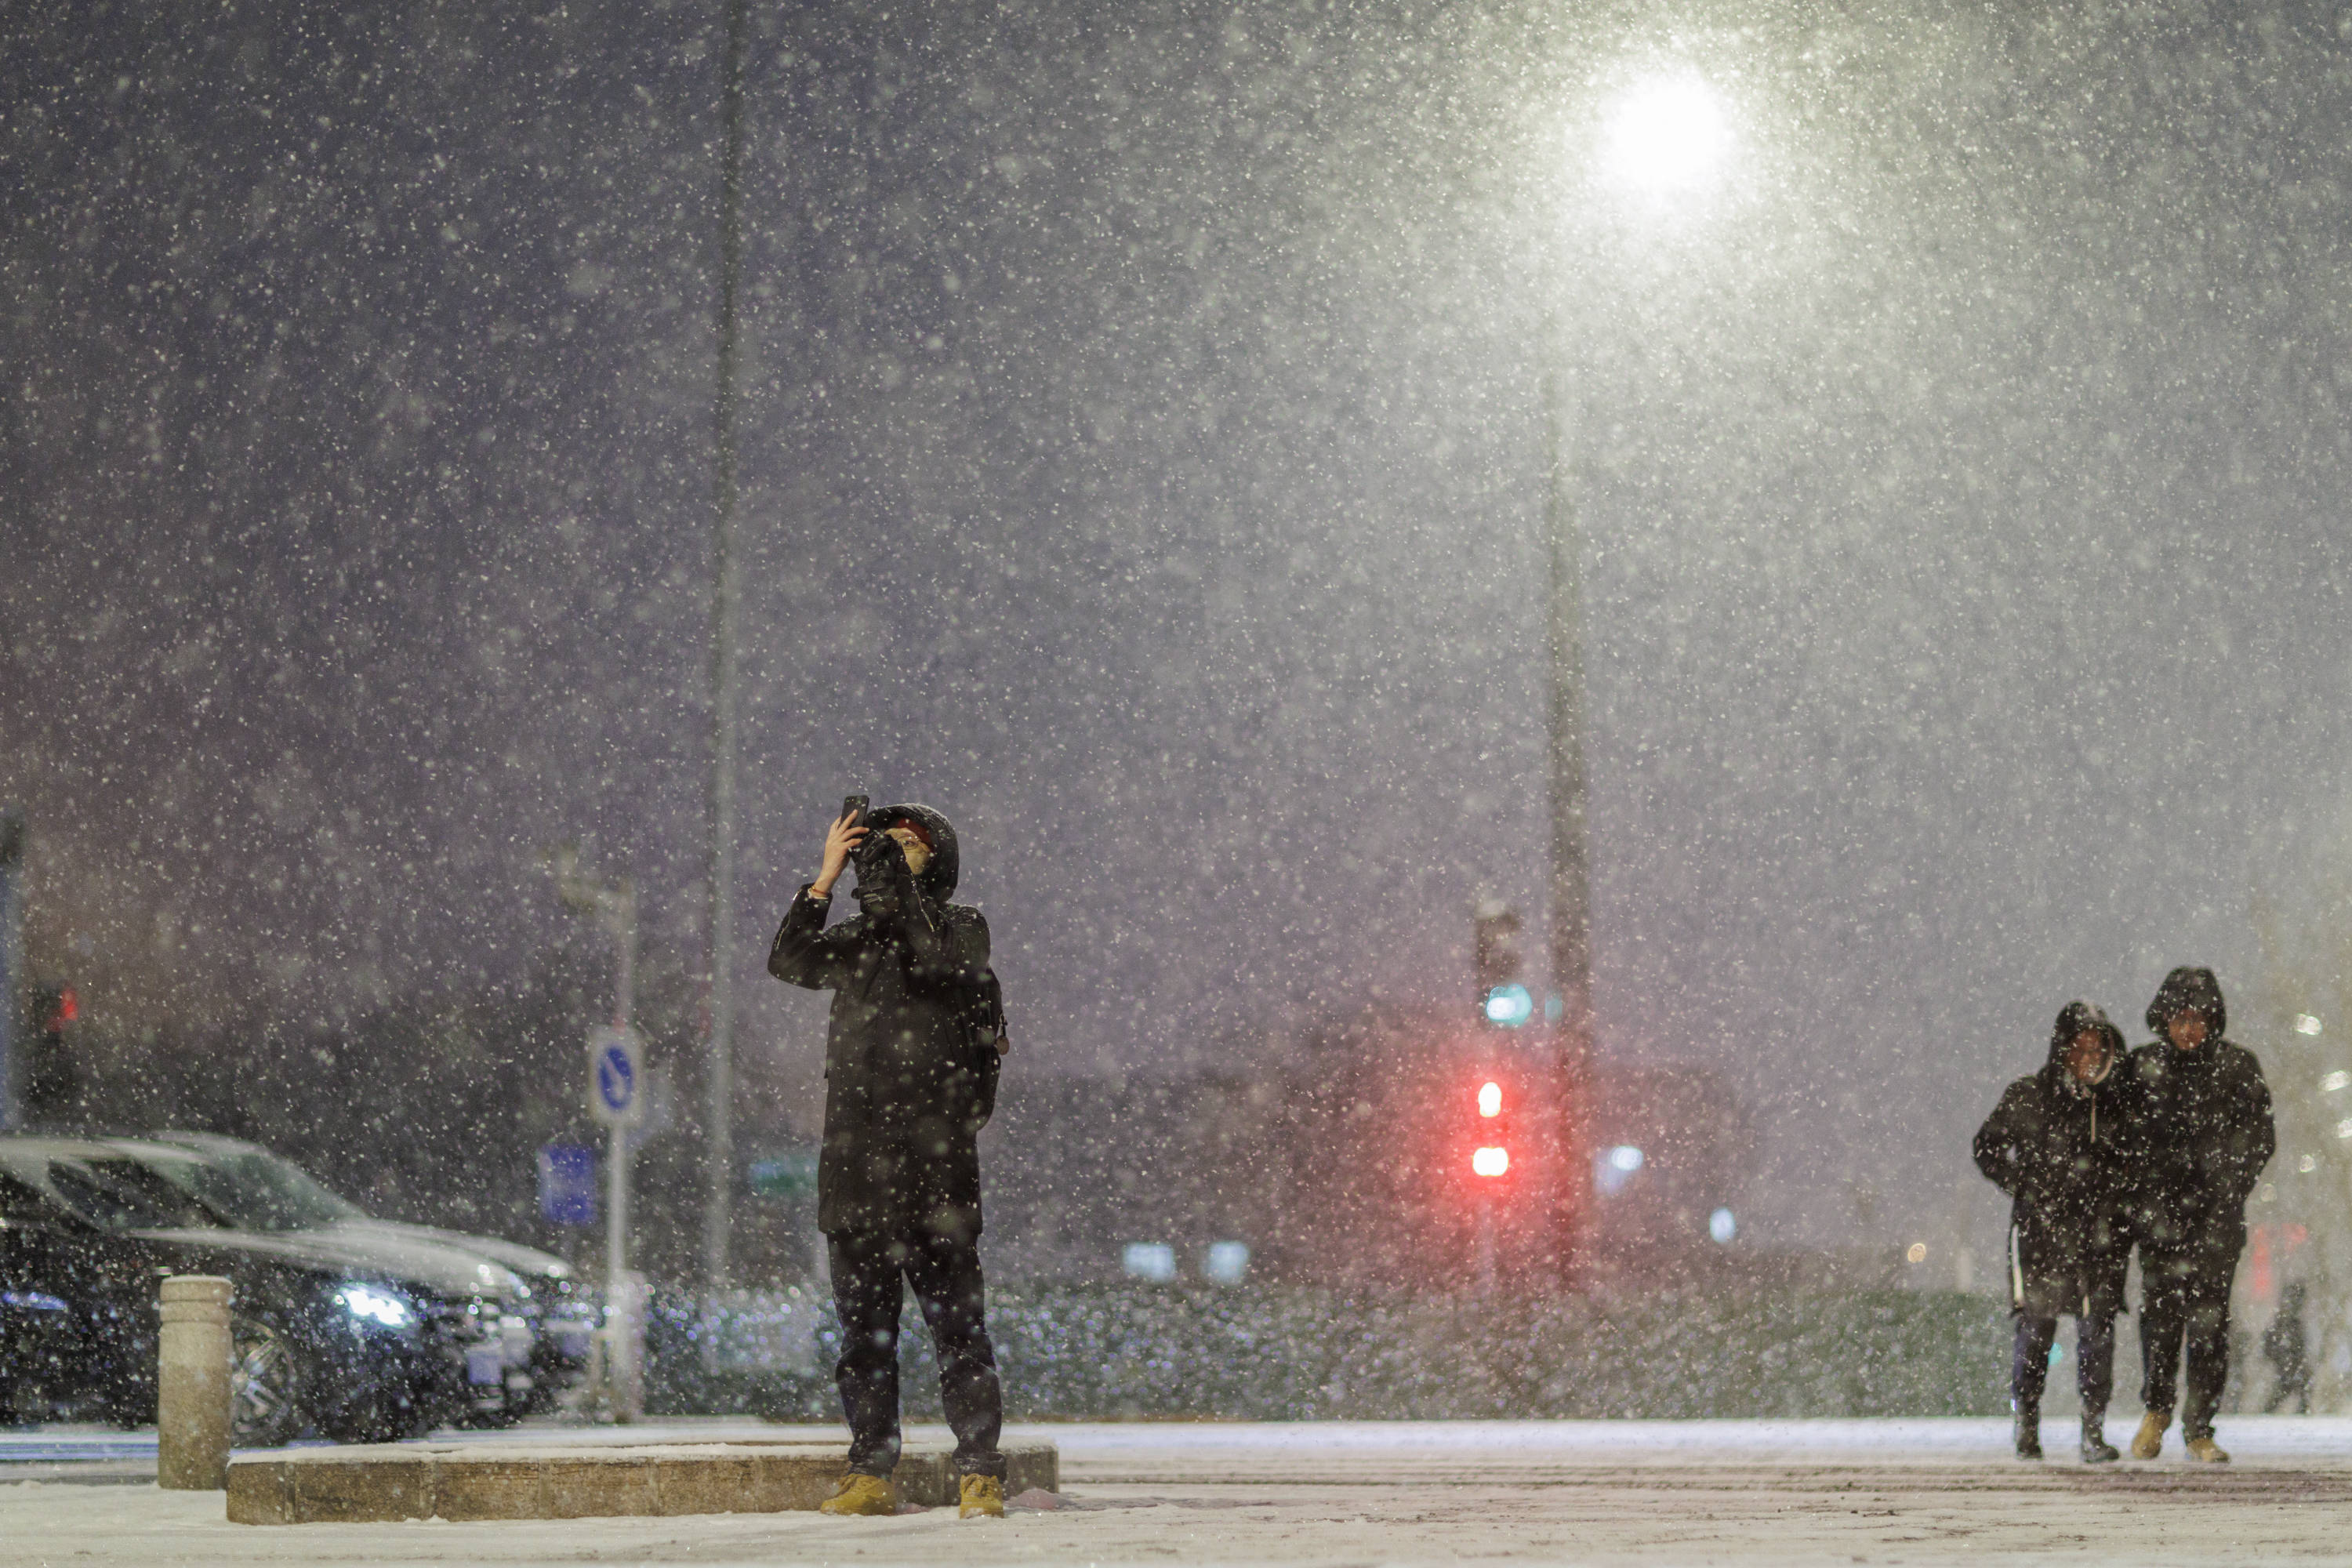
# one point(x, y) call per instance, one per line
point(1666, 133)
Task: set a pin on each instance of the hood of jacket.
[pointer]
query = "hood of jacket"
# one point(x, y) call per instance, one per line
point(939, 873)
point(2073, 1019)
point(2187, 990)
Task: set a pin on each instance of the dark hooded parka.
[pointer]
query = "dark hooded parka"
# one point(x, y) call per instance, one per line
point(910, 1080)
point(2064, 1150)
point(2210, 1129)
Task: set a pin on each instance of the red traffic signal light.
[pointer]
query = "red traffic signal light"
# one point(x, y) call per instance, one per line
point(1492, 1157)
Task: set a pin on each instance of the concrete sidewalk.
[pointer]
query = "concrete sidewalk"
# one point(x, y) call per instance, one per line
point(1601, 1492)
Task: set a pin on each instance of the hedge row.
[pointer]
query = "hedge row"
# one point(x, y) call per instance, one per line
point(1139, 1351)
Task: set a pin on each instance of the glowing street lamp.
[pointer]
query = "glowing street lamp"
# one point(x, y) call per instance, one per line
point(1666, 133)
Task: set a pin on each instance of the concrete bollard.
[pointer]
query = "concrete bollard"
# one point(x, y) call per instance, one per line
point(192, 1385)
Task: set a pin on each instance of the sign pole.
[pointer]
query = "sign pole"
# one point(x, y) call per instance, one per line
point(12, 964)
point(628, 1332)
point(616, 1095)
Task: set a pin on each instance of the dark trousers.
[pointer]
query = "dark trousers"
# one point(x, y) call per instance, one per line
point(945, 1273)
point(2095, 1361)
point(2185, 1299)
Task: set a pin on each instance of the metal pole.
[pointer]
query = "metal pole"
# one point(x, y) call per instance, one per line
point(1571, 910)
point(624, 1303)
point(623, 908)
point(12, 962)
point(718, 1133)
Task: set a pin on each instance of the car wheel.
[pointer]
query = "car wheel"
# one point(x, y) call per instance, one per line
point(380, 1419)
point(267, 1386)
point(493, 1420)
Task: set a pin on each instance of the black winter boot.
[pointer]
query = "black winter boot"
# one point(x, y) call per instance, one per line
point(2028, 1433)
point(2096, 1450)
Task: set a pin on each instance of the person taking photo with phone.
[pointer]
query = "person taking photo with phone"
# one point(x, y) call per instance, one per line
point(912, 1061)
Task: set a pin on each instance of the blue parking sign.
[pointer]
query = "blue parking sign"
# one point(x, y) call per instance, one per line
point(615, 1081)
point(567, 1184)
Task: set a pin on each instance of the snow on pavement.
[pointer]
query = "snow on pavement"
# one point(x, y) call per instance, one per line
point(1407, 1492)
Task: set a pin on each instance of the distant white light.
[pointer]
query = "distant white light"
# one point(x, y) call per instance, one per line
point(1148, 1260)
point(2305, 1024)
point(1666, 133)
point(2344, 1128)
point(1490, 1100)
point(1722, 1226)
point(1490, 1162)
point(1917, 1253)
point(1228, 1261)
point(1612, 1168)
point(1511, 1006)
point(2337, 1079)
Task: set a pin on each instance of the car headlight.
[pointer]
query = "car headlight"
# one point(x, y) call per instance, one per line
point(374, 1305)
point(32, 1301)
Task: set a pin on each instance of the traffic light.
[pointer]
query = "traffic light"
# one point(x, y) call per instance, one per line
point(1503, 999)
point(48, 1080)
point(1490, 1155)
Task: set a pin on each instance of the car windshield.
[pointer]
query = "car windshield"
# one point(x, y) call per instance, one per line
point(254, 1189)
point(122, 1194)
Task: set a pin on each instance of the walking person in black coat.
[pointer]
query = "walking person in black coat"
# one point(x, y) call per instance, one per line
point(2284, 1348)
point(911, 1057)
point(2061, 1144)
point(2209, 1135)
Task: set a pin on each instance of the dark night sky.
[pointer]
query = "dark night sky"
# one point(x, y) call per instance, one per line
point(1144, 466)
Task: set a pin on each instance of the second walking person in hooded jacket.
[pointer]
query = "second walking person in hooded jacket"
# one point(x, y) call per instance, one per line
point(2061, 1143)
point(2209, 1135)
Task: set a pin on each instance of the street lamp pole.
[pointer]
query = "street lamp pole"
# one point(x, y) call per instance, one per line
point(1572, 904)
point(719, 1128)
point(1666, 132)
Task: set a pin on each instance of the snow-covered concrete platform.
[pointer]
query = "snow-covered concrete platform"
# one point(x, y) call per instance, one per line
point(772, 1471)
point(1598, 1492)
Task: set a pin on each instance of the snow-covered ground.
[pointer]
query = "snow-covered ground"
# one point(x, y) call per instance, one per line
point(1633, 1492)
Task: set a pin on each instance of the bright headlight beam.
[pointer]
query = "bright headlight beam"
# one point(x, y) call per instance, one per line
point(376, 1305)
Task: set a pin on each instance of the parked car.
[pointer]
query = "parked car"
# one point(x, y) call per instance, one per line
point(360, 1334)
point(252, 1188)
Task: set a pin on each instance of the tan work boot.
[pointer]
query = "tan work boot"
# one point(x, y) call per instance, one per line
point(980, 1497)
point(857, 1494)
point(2206, 1451)
point(2150, 1441)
